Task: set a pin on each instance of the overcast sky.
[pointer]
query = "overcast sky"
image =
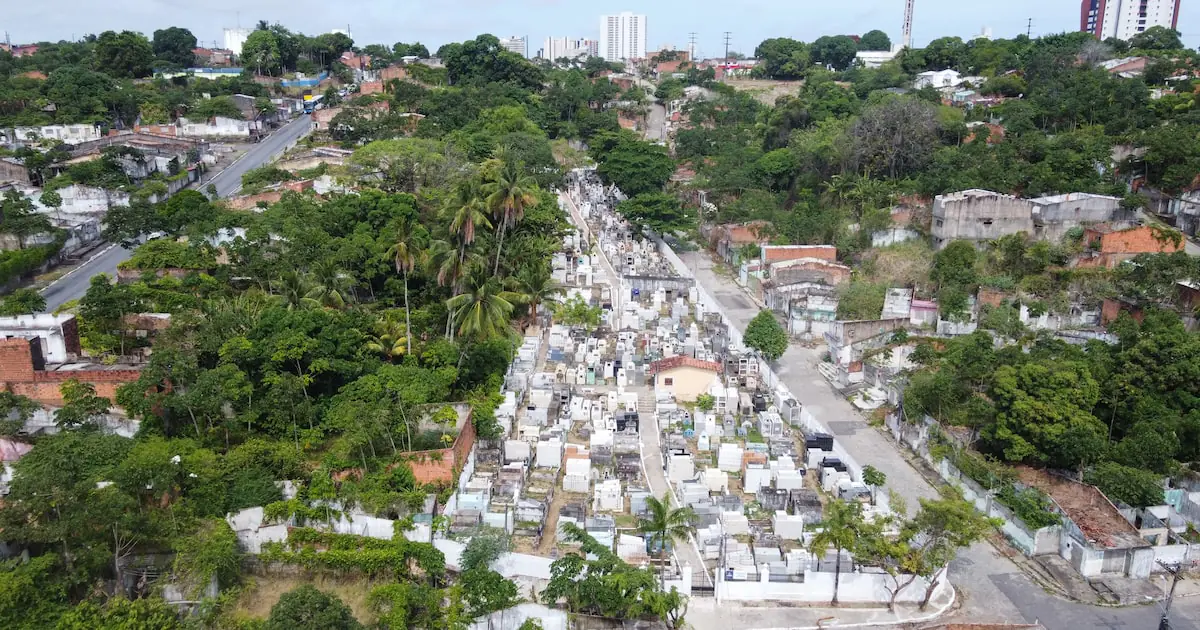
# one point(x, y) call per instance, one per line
point(435, 22)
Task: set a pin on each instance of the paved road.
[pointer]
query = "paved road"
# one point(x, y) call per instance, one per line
point(75, 283)
point(656, 122)
point(994, 589)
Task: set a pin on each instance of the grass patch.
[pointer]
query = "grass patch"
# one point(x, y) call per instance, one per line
point(260, 593)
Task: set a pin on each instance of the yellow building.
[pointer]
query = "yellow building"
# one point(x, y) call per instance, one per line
point(685, 377)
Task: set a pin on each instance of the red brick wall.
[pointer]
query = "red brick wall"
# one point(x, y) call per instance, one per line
point(18, 375)
point(16, 360)
point(1138, 240)
point(991, 297)
point(392, 72)
point(827, 253)
point(370, 87)
point(429, 468)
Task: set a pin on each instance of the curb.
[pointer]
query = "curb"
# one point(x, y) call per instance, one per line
point(923, 618)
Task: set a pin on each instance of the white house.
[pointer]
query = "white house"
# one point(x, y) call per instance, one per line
point(938, 79)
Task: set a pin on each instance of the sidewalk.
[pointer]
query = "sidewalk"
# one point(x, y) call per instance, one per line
point(707, 614)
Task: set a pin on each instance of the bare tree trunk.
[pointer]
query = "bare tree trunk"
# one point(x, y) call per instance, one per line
point(933, 584)
point(837, 576)
point(500, 245)
point(407, 318)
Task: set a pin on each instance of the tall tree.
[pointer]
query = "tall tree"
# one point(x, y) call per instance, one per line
point(175, 44)
point(840, 530)
point(874, 40)
point(406, 253)
point(665, 526)
point(124, 55)
point(509, 195)
point(261, 50)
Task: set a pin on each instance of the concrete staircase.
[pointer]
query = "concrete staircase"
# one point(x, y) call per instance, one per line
point(646, 402)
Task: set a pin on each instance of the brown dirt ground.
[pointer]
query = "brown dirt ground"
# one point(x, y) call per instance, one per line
point(261, 593)
point(765, 90)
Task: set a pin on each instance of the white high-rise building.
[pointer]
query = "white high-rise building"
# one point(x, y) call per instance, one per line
point(235, 38)
point(558, 47)
point(623, 36)
point(515, 44)
point(1125, 18)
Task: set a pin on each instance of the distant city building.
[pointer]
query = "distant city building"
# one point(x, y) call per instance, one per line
point(235, 38)
point(623, 36)
point(515, 44)
point(1125, 18)
point(571, 48)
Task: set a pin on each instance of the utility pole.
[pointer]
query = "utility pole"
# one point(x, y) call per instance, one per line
point(692, 47)
point(1176, 571)
point(1029, 28)
point(727, 36)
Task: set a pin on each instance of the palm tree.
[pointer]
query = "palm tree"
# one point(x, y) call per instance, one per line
point(467, 212)
point(330, 286)
point(537, 286)
point(483, 309)
point(294, 289)
point(843, 522)
point(665, 524)
point(407, 254)
point(508, 196)
point(391, 337)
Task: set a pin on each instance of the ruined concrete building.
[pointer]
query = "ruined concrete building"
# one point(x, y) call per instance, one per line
point(981, 215)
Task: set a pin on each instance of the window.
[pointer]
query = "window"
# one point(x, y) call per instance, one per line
point(939, 223)
point(668, 381)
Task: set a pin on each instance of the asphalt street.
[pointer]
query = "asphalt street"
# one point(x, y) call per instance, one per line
point(74, 284)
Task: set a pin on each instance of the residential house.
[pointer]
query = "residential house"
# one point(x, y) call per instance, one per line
point(685, 377)
point(729, 239)
point(1126, 67)
point(937, 79)
point(1106, 246)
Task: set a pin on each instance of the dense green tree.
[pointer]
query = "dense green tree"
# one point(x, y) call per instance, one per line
point(836, 51)
point(661, 212)
point(765, 335)
point(783, 58)
point(1156, 38)
point(307, 608)
point(636, 167)
point(261, 51)
point(1129, 485)
point(874, 40)
point(175, 45)
point(127, 54)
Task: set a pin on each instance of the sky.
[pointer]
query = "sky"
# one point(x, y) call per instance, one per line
point(668, 21)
